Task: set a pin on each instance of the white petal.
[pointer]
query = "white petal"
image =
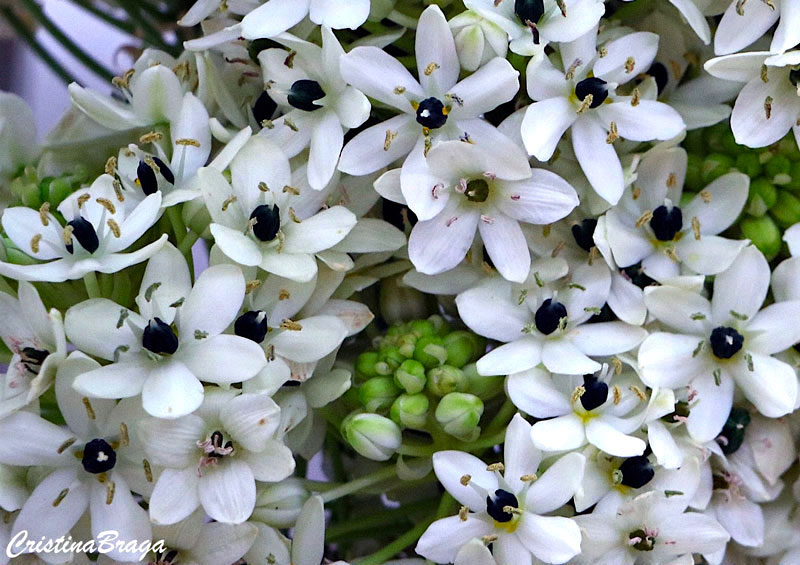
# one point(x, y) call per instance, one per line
point(21, 225)
point(771, 386)
point(610, 440)
point(260, 160)
point(339, 14)
point(33, 440)
point(519, 355)
point(607, 338)
point(123, 516)
point(787, 34)
point(213, 303)
point(505, 243)
point(775, 328)
point(91, 326)
point(308, 545)
point(172, 443)
point(742, 287)
point(493, 84)
point(647, 120)
point(441, 243)
point(371, 235)
point(435, 45)
point(564, 433)
point(678, 308)
point(235, 245)
point(492, 311)
point(519, 455)
point(640, 46)
point(117, 380)
point(695, 18)
point(61, 517)
point(104, 110)
point(535, 393)
point(740, 67)
point(319, 336)
point(667, 360)
point(299, 267)
point(474, 552)
point(694, 533)
point(717, 213)
point(171, 391)
point(749, 121)
point(709, 255)
point(542, 199)
point(319, 232)
point(379, 75)
point(223, 359)
point(742, 519)
point(273, 464)
point(544, 124)
point(191, 123)
point(174, 496)
point(562, 356)
point(273, 17)
point(451, 466)
point(735, 31)
point(557, 485)
point(598, 159)
point(326, 144)
point(552, 539)
point(711, 407)
point(442, 540)
point(157, 95)
point(227, 491)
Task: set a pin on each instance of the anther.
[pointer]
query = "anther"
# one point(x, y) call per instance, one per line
point(465, 479)
point(35, 242)
point(44, 209)
point(88, 406)
point(114, 227)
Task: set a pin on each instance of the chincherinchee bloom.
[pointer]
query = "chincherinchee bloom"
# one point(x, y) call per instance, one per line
point(471, 188)
point(435, 108)
point(276, 16)
point(546, 324)
point(532, 24)
point(768, 106)
point(652, 529)
point(507, 502)
point(745, 22)
point(322, 106)
point(254, 222)
point(580, 96)
point(92, 462)
point(36, 340)
point(174, 342)
point(96, 232)
point(722, 343)
point(213, 458)
point(650, 227)
point(596, 408)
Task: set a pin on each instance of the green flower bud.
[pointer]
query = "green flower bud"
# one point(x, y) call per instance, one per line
point(30, 195)
point(716, 165)
point(762, 197)
point(714, 136)
point(459, 413)
point(407, 344)
point(730, 146)
point(393, 357)
point(378, 393)
point(483, 387)
point(14, 255)
point(446, 379)
point(794, 183)
point(429, 350)
point(788, 147)
point(763, 233)
point(694, 142)
point(410, 376)
point(440, 324)
point(694, 173)
point(786, 211)
point(749, 164)
point(421, 328)
point(365, 364)
point(410, 411)
point(463, 347)
point(777, 167)
point(196, 217)
point(373, 436)
point(278, 504)
point(59, 189)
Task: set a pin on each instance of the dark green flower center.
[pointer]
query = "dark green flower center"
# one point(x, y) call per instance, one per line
point(725, 342)
point(304, 93)
point(477, 190)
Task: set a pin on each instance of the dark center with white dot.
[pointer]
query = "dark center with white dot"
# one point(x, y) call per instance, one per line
point(495, 505)
point(725, 342)
point(98, 456)
point(549, 315)
point(431, 113)
point(159, 338)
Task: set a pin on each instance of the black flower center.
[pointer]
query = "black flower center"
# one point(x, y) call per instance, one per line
point(595, 393)
point(641, 540)
point(33, 358)
point(83, 231)
point(495, 505)
point(529, 10)
point(584, 233)
point(549, 315)
point(268, 221)
point(304, 93)
point(146, 175)
point(159, 338)
point(725, 342)
point(98, 456)
point(666, 222)
point(659, 72)
point(636, 471)
point(732, 435)
point(252, 325)
point(431, 113)
point(637, 276)
point(219, 447)
point(264, 108)
point(596, 87)
point(477, 190)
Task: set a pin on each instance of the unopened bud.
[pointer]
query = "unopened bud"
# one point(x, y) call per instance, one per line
point(764, 234)
point(278, 504)
point(763, 196)
point(430, 351)
point(779, 165)
point(481, 386)
point(463, 347)
point(373, 436)
point(786, 211)
point(749, 164)
point(410, 376)
point(365, 365)
point(410, 411)
point(716, 165)
point(446, 379)
point(59, 189)
point(459, 413)
point(378, 393)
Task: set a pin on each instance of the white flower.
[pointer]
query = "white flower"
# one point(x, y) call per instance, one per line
point(435, 108)
point(769, 104)
point(94, 460)
point(276, 16)
point(36, 339)
point(723, 342)
point(580, 96)
point(745, 22)
point(509, 505)
point(532, 24)
point(96, 233)
point(322, 106)
point(597, 409)
point(254, 222)
point(651, 529)
point(546, 324)
point(213, 458)
point(150, 358)
point(478, 40)
point(471, 188)
point(650, 227)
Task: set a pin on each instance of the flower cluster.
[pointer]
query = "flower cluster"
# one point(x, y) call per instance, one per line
point(260, 301)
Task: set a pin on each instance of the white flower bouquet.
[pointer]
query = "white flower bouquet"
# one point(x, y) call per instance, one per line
point(484, 282)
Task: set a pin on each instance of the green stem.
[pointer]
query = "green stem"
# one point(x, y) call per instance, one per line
point(25, 34)
point(387, 552)
point(151, 33)
point(395, 516)
point(91, 284)
point(186, 244)
point(106, 17)
point(175, 220)
point(361, 483)
point(502, 418)
point(67, 43)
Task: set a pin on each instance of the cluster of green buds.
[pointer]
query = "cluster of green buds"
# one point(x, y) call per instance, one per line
point(774, 201)
point(420, 376)
point(31, 191)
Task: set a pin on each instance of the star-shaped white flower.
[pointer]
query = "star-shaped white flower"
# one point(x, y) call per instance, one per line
point(743, 23)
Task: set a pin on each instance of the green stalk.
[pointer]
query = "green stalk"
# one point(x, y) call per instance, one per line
point(123, 25)
point(91, 284)
point(412, 535)
point(25, 34)
point(178, 227)
point(186, 244)
point(38, 14)
point(361, 483)
point(151, 33)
